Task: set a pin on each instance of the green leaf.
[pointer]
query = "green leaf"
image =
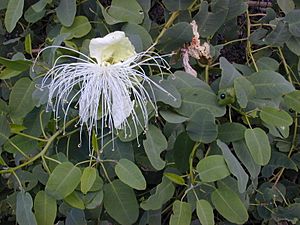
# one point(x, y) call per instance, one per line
point(24, 214)
point(270, 84)
point(183, 147)
point(181, 79)
point(18, 65)
point(20, 99)
point(44, 208)
point(32, 16)
point(25, 144)
point(154, 144)
point(245, 157)
point(133, 31)
point(210, 22)
point(236, 8)
point(40, 5)
point(5, 130)
point(289, 213)
point(234, 167)
point(172, 97)
point(267, 63)
point(244, 90)
point(172, 117)
point(278, 160)
point(80, 27)
point(172, 5)
point(108, 18)
point(66, 12)
point(196, 98)
point(63, 180)
point(3, 4)
point(87, 179)
point(120, 202)
point(75, 217)
point(276, 117)
point(126, 11)
point(229, 205)
point(259, 145)
point(202, 127)
point(293, 19)
point(205, 212)
point(279, 35)
point(212, 168)
point(163, 193)
point(96, 200)
point(286, 5)
point(8, 73)
point(229, 132)
point(293, 100)
point(294, 45)
point(13, 13)
point(74, 200)
point(28, 44)
point(130, 174)
point(175, 37)
point(182, 213)
point(229, 74)
point(175, 178)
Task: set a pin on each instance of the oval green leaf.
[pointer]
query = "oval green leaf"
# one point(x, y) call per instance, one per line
point(120, 202)
point(44, 208)
point(80, 27)
point(24, 214)
point(229, 205)
point(196, 98)
point(234, 166)
point(205, 212)
point(130, 174)
point(229, 132)
point(182, 213)
point(175, 178)
point(154, 144)
point(63, 180)
point(20, 99)
point(259, 145)
point(13, 13)
point(212, 168)
point(126, 11)
point(276, 117)
point(74, 200)
point(66, 12)
point(202, 127)
point(87, 179)
point(293, 100)
point(163, 193)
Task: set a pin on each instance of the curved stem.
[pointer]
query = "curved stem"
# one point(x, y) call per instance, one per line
point(43, 152)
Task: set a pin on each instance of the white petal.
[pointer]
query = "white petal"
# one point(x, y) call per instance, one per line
point(112, 48)
point(121, 108)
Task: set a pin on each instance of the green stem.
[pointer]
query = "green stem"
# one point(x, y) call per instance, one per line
point(191, 161)
point(167, 25)
point(285, 65)
point(234, 41)
point(294, 144)
point(43, 152)
point(249, 50)
point(207, 74)
point(18, 149)
point(30, 137)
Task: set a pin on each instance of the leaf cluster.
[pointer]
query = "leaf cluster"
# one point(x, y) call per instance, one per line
point(225, 152)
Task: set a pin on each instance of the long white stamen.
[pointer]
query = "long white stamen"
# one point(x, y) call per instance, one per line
point(91, 85)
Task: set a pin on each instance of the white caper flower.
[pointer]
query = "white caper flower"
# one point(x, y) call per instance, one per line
point(109, 82)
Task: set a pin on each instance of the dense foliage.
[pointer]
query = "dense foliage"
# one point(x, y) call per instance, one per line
point(225, 152)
